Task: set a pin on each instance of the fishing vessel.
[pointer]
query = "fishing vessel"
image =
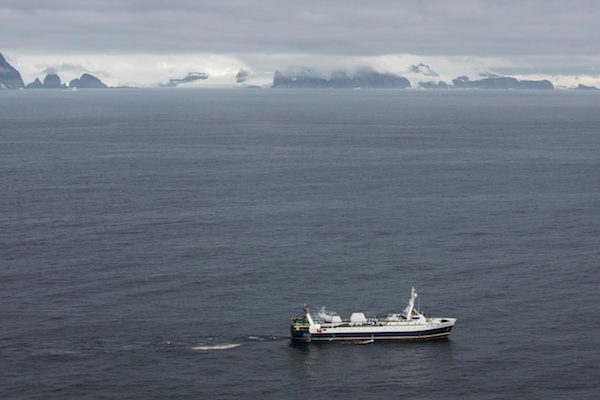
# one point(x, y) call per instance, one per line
point(411, 324)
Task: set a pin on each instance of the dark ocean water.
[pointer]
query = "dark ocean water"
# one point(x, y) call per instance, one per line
point(137, 224)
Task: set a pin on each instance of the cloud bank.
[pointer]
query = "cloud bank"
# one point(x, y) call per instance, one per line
point(549, 38)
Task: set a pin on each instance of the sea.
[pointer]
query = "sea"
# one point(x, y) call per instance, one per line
point(141, 227)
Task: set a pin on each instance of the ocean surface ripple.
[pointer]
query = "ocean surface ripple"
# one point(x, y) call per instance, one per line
point(136, 225)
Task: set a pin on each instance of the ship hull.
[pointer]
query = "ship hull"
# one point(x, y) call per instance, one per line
point(428, 334)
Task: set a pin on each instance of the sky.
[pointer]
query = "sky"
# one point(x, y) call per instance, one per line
point(144, 42)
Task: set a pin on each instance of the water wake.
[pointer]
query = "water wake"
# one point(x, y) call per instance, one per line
point(223, 343)
point(221, 346)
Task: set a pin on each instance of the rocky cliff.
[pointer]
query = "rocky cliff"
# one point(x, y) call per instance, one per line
point(241, 76)
point(10, 78)
point(52, 81)
point(423, 69)
point(191, 77)
point(35, 85)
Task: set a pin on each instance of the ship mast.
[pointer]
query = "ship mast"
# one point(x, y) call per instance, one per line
point(411, 304)
point(308, 316)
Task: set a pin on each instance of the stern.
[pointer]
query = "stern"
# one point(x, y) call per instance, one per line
point(300, 329)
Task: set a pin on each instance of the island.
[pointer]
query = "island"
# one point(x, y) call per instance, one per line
point(87, 81)
point(36, 84)
point(584, 87)
point(500, 82)
point(433, 85)
point(51, 81)
point(361, 79)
